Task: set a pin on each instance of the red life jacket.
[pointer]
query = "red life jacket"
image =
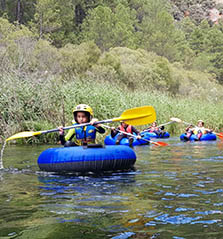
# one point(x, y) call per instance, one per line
point(152, 129)
point(128, 129)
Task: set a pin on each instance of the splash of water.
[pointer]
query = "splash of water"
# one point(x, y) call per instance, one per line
point(1, 155)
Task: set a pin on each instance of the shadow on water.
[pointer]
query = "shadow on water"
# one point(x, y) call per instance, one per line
point(175, 192)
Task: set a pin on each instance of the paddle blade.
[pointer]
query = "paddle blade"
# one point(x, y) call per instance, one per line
point(176, 120)
point(220, 135)
point(138, 116)
point(158, 143)
point(24, 134)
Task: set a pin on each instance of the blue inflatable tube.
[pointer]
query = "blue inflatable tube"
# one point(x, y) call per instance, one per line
point(81, 159)
point(154, 135)
point(193, 137)
point(111, 141)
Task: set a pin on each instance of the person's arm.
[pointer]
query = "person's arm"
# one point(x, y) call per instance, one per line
point(69, 135)
point(137, 132)
point(100, 129)
point(62, 139)
point(114, 132)
point(189, 128)
point(134, 130)
point(208, 130)
point(61, 135)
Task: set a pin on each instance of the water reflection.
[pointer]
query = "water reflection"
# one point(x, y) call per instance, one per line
point(175, 192)
point(84, 195)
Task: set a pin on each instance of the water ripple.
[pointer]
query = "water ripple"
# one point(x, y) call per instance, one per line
point(124, 235)
point(180, 209)
point(209, 212)
point(209, 192)
point(207, 221)
point(180, 219)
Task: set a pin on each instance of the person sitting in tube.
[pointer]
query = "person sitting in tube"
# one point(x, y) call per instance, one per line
point(83, 135)
point(198, 130)
point(155, 129)
point(124, 127)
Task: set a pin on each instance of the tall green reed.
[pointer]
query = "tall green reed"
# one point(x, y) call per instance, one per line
point(40, 104)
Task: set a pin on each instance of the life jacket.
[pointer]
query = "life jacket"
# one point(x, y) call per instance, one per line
point(128, 129)
point(82, 135)
point(199, 129)
point(154, 129)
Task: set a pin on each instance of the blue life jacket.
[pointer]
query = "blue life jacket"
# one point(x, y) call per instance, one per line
point(83, 134)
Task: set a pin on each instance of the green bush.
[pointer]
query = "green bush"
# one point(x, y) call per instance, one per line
point(77, 59)
point(45, 105)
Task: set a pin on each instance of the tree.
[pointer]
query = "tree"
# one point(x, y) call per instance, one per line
point(82, 7)
point(110, 28)
point(214, 47)
point(157, 31)
point(54, 20)
point(97, 27)
point(124, 21)
point(21, 11)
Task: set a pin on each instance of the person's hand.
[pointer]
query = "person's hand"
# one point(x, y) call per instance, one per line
point(188, 128)
point(61, 131)
point(138, 137)
point(93, 123)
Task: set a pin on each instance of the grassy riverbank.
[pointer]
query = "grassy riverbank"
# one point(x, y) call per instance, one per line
point(47, 103)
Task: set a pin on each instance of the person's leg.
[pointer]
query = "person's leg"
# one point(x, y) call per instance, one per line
point(156, 132)
point(131, 139)
point(188, 135)
point(119, 138)
point(70, 144)
point(199, 135)
point(162, 134)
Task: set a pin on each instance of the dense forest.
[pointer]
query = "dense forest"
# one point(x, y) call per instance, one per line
point(170, 47)
point(180, 31)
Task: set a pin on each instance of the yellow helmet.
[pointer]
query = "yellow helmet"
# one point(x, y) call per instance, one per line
point(83, 108)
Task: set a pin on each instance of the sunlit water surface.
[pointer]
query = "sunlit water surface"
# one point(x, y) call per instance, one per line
point(175, 192)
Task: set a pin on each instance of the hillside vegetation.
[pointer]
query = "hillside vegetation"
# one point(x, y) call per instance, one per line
point(113, 55)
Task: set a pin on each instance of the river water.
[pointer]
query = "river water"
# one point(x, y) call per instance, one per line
point(175, 192)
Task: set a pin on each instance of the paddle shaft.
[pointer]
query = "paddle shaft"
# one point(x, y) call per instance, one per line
point(146, 140)
point(195, 126)
point(220, 135)
point(170, 122)
point(106, 126)
point(76, 126)
point(135, 116)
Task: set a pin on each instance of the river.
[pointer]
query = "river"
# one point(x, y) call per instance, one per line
point(175, 192)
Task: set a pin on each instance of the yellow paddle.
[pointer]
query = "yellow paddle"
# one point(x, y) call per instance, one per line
point(135, 116)
point(220, 135)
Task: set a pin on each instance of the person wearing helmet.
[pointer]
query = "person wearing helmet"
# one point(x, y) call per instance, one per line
point(82, 135)
point(198, 130)
point(124, 128)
